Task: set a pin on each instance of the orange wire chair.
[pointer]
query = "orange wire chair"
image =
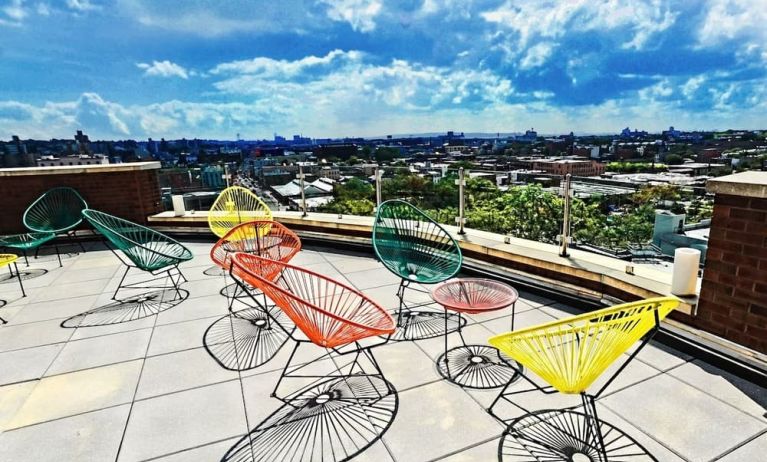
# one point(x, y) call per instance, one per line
point(265, 238)
point(341, 413)
point(249, 339)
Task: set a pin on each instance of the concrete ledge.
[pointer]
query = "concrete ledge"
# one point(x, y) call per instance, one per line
point(586, 274)
point(79, 169)
point(747, 184)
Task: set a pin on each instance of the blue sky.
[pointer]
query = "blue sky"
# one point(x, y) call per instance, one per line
point(170, 68)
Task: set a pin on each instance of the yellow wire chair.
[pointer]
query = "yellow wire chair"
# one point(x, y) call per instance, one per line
point(570, 354)
point(234, 206)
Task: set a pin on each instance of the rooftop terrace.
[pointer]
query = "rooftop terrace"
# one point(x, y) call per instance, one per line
point(161, 387)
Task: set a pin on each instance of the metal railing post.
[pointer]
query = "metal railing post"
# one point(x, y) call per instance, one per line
point(565, 237)
point(301, 185)
point(379, 173)
point(461, 182)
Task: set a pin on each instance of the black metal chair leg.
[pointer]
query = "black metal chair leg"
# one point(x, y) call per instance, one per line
point(18, 275)
point(114, 296)
point(58, 255)
point(26, 260)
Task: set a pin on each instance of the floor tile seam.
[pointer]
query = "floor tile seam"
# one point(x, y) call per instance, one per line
point(496, 318)
point(742, 444)
point(89, 368)
point(66, 342)
point(180, 451)
point(458, 451)
point(637, 428)
point(242, 387)
point(68, 416)
point(135, 391)
point(62, 299)
point(184, 390)
point(656, 374)
point(758, 418)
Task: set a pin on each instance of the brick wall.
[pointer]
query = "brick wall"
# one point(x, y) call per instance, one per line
point(130, 193)
point(733, 297)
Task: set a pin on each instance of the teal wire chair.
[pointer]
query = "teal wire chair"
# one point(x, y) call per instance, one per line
point(58, 211)
point(418, 250)
point(142, 248)
point(29, 241)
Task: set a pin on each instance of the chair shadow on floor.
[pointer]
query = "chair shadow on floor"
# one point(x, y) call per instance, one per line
point(565, 435)
point(128, 309)
point(334, 420)
point(26, 274)
point(248, 338)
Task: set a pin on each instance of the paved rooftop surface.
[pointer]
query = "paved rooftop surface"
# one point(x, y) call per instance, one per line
point(148, 389)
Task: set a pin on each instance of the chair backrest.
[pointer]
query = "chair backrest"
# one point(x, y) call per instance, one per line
point(268, 239)
point(571, 353)
point(145, 247)
point(412, 245)
point(329, 313)
point(236, 205)
point(58, 210)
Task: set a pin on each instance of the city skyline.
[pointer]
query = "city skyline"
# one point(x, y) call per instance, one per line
point(137, 69)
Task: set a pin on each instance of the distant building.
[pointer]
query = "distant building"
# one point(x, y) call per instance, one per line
point(627, 133)
point(213, 177)
point(575, 167)
point(51, 161)
point(530, 136)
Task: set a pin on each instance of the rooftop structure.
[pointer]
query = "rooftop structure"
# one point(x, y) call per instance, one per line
point(174, 382)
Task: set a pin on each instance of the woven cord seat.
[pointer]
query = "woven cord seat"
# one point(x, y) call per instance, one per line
point(142, 247)
point(329, 313)
point(58, 211)
point(417, 250)
point(264, 238)
point(234, 206)
point(572, 353)
point(28, 241)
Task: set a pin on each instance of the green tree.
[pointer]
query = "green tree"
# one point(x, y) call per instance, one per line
point(385, 154)
point(674, 159)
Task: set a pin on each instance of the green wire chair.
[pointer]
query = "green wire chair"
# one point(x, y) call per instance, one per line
point(141, 247)
point(28, 241)
point(58, 211)
point(417, 249)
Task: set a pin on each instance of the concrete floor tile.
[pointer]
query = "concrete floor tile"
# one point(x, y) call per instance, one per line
point(453, 421)
point(709, 427)
point(12, 397)
point(179, 336)
point(195, 308)
point(101, 351)
point(27, 364)
point(178, 371)
point(78, 392)
point(179, 421)
point(752, 451)
point(746, 396)
point(55, 309)
point(13, 337)
point(94, 436)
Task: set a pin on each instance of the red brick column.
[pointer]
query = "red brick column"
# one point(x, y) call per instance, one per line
point(733, 297)
point(130, 191)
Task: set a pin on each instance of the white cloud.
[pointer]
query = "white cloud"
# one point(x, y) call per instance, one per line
point(360, 14)
point(523, 25)
point(536, 55)
point(164, 69)
point(82, 5)
point(43, 9)
point(268, 67)
point(14, 12)
point(215, 18)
